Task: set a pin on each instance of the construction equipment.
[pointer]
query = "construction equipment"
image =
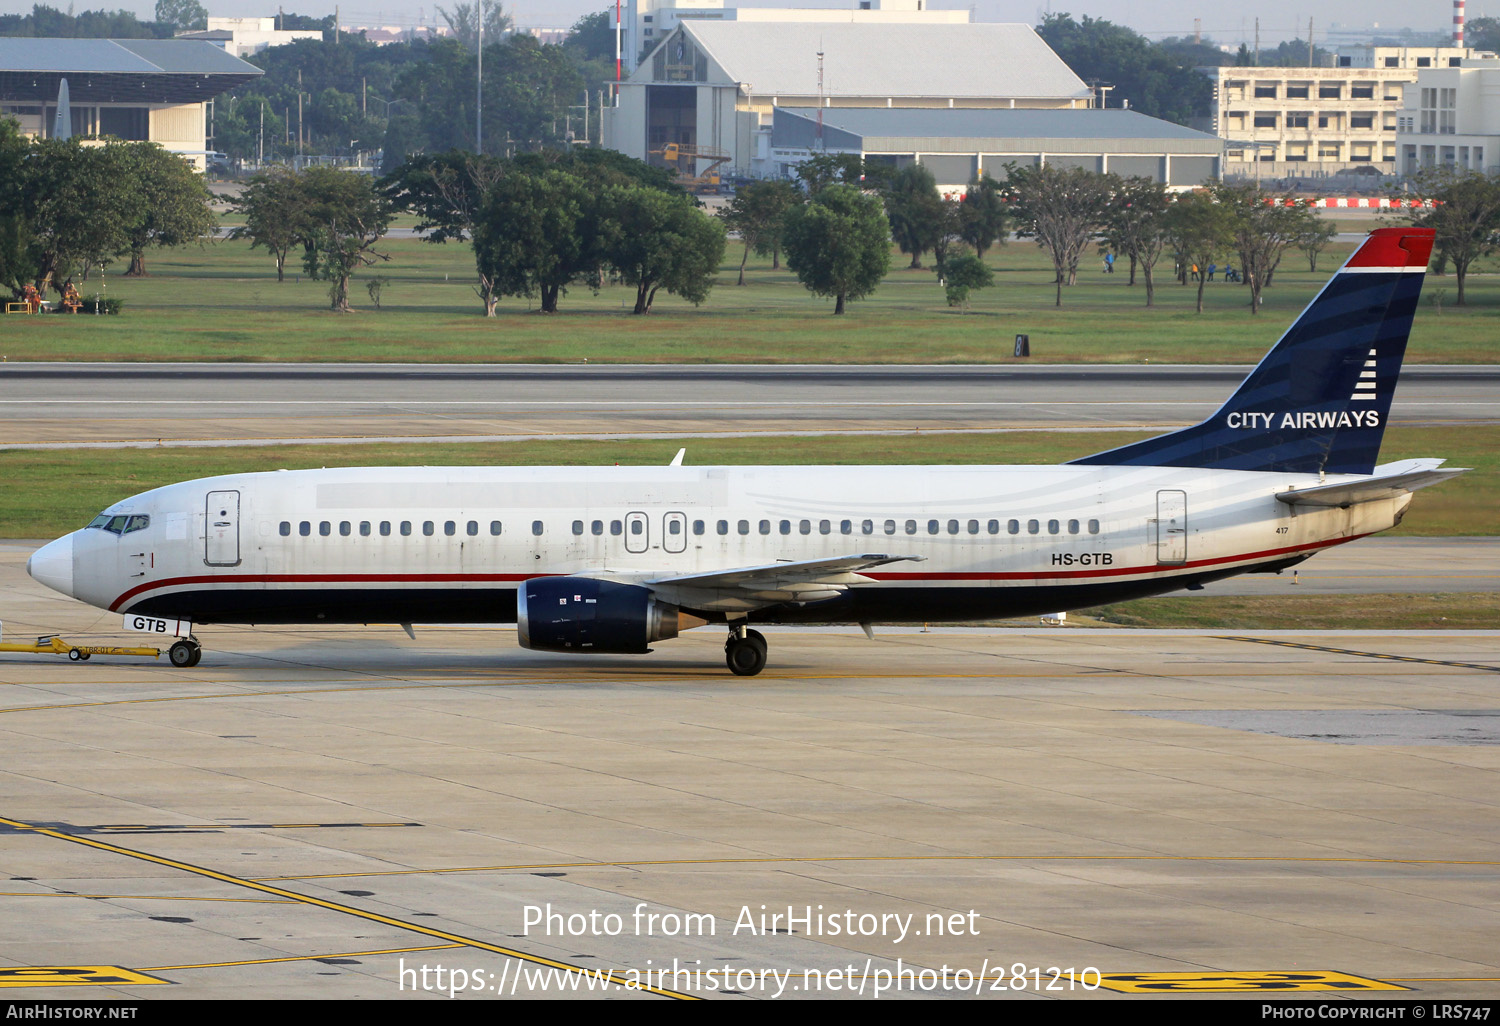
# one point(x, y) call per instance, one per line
point(686, 157)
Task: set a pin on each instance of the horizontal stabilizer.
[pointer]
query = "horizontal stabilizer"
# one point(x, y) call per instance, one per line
point(1390, 481)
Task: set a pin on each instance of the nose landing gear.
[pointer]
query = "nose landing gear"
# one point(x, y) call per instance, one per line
point(186, 652)
point(745, 651)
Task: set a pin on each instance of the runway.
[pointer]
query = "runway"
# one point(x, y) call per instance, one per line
point(346, 813)
point(69, 404)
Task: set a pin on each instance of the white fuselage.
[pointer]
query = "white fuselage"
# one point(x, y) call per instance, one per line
point(451, 544)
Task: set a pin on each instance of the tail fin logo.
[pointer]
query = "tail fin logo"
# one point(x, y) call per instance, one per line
point(1364, 388)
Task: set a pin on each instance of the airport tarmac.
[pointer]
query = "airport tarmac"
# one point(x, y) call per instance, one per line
point(103, 404)
point(336, 813)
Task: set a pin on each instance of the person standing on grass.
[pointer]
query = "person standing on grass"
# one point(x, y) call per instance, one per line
point(1109, 263)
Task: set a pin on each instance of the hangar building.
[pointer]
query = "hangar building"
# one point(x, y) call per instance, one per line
point(713, 86)
point(956, 144)
point(137, 90)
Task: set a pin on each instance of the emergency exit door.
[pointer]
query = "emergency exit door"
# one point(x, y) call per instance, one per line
point(221, 529)
point(1171, 527)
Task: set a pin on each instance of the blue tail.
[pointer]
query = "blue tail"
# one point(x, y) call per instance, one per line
point(1319, 399)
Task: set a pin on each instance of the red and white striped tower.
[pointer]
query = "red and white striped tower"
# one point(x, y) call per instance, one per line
point(1458, 22)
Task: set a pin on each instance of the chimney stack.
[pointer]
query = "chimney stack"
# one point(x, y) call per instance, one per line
point(1458, 22)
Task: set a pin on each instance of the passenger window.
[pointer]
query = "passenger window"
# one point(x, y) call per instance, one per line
point(953, 527)
point(911, 527)
point(286, 528)
point(1072, 527)
point(616, 527)
point(405, 528)
point(786, 527)
point(473, 528)
point(722, 527)
point(804, 527)
point(765, 527)
point(846, 527)
point(325, 528)
point(304, 529)
point(1013, 527)
point(744, 527)
point(429, 528)
point(994, 527)
point(450, 528)
point(1054, 527)
point(973, 527)
point(890, 527)
point(578, 527)
point(824, 527)
point(536, 528)
point(345, 528)
point(597, 527)
point(697, 527)
point(1033, 527)
point(385, 529)
point(364, 529)
point(1093, 527)
point(495, 528)
point(674, 527)
point(932, 527)
point(636, 527)
point(867, 527)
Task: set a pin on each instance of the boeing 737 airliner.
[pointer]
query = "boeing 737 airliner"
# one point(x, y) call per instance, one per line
point(614, 559)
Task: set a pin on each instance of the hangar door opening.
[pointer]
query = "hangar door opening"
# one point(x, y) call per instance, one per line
point(671, 117)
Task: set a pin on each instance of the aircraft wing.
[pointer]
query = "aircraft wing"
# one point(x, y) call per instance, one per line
point(752, 587)
point(1389, 481)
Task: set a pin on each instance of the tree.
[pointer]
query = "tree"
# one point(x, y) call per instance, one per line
point(537, 233)
point(1062, 209)
point(1316, 239)
point(447, 192)
point(915, 210)
point(346, 216)
point(17, 263)
point(660, 241)
point(175, 203)
point(276, 215)
point(1202, 229)
point(1154, 81)
point(985, 219)
point(1262, 227)
point(182, 14)
point(1465, 216)
point(963, 274)
point(1136, 227)
point(79, 202)
point(464, 22)
point(593, 37)
point(758, 214)
point(838, 244)
point(824, 169)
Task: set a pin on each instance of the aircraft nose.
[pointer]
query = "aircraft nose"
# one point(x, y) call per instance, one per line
point(52, 565)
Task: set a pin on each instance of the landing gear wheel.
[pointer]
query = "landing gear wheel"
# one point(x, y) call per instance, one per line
point(74, 654)
point(745, 655)
point(185, 653)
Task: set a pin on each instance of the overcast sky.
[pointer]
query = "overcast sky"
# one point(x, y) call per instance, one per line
point(1226, 23)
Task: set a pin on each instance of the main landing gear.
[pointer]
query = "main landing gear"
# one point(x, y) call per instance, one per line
point(186, 652)
point(745, 651)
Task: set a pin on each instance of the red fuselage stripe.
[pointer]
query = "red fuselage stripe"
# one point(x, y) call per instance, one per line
point(981, 575)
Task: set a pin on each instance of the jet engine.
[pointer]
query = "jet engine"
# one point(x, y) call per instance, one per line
point(582, 614)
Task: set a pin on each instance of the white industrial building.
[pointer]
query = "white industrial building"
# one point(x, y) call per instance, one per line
point(241, 37)
point(712, 87)
point(1307, 122)
point(1451, 118)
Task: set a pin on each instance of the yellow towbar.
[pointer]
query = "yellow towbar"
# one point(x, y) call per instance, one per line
point(54, 644)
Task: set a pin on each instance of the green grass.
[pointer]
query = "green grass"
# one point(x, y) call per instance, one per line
point(50, 492)
point(222, 302)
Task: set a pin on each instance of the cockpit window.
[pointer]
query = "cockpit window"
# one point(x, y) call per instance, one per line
point(121, 523)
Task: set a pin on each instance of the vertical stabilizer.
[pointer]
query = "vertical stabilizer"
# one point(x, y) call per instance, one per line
point(62, 124)
point(1320, 398)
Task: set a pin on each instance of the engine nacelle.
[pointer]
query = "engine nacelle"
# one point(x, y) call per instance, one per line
point(583, 614)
